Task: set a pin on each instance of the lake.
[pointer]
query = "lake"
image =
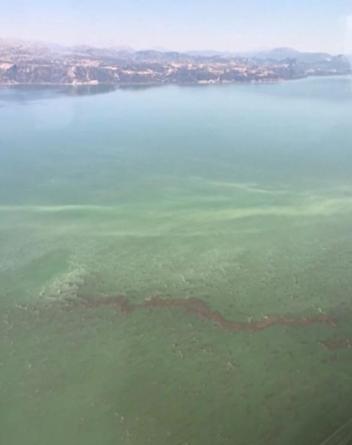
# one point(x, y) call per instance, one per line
point(175, 264)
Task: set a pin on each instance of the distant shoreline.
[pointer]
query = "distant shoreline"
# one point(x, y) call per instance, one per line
point(90, 67)
point(114, 86)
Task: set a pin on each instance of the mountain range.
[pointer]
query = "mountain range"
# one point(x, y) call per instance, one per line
point(40, 63)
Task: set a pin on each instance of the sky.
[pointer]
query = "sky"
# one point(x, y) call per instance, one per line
point(225, 25)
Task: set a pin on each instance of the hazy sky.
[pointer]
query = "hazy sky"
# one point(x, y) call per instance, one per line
point(183, 24)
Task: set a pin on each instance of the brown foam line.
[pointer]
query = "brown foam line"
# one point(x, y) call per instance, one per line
point(200, 309)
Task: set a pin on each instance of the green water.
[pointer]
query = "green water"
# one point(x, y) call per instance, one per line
point(238, 195)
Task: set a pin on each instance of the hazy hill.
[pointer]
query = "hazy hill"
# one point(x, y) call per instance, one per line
point(40, 63)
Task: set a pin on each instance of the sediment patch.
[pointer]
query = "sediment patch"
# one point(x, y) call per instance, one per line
point(335, 344)
point(200, 309)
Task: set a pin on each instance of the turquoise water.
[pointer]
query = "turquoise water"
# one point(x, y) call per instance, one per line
point(239, 196)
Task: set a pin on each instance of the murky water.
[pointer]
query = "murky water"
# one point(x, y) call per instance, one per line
point(233, 203)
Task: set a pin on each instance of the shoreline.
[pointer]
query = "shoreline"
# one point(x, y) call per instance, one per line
point(114, 86)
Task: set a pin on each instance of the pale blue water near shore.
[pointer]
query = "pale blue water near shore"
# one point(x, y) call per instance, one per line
point(240, 196)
